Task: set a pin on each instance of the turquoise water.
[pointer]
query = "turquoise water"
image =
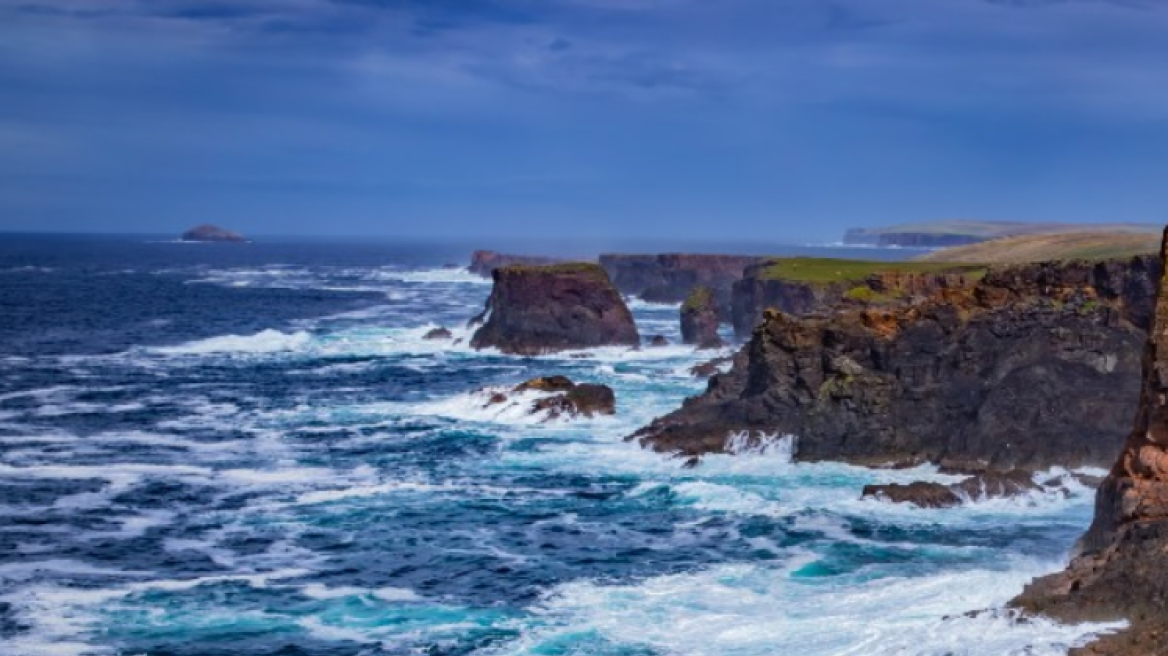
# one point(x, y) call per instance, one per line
point(299, 472)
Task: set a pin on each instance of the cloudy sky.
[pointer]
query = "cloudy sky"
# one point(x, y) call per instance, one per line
point(785, 120)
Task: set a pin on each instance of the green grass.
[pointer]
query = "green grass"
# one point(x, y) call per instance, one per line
point(562, 268)
point(1091, 246)
point(828, 270)
point(700, 297)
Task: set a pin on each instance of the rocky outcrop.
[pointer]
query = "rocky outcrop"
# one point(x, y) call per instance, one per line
point(776, 284)
point(699, 319)
point(438, 333)
point(542, 309)
point(1121, 571)
point(568, 399)
point(670, 277)
point(1032, 367)
point(211, 233)
point(986, 485)
point(484, 262)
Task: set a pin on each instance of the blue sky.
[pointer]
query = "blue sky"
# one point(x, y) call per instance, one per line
point(785, 120)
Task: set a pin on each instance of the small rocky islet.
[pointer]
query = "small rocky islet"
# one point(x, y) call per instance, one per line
point(993, 373)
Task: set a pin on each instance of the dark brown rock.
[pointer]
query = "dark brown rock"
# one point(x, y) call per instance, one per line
point(484, 262)
point(986, 485)
point(1031, 368)
point(438, 333)
point(585, 399)
point(546, 384)
point(925, 495)
point(211, 233)
point(699, 319)
point(1121, 570)
point(658, 340)
point(542, 309)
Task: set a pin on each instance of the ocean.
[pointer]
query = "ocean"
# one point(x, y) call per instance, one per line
point(245, 450)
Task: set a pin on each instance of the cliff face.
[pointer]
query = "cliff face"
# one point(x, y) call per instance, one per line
point(759, 290)
point(484, 262)
point(1122, 569)
point(1029, 368)
point(541, 309)
point(670, 277)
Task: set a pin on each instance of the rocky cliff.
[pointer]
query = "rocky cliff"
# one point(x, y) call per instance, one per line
point(484, 262)
point(804, 286)
point(211, 233)
point(541, 309)
point(670, 277)
point(1028, 368)
point(1121, 571)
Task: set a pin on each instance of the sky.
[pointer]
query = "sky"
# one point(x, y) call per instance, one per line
point(777, 120)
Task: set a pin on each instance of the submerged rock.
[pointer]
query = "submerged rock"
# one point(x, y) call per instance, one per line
point(699, 319)
point(658, 340)
point(710, 367)
point(987, 485)
point(1121, 570)
point(569, 399)
point(543, 309)
point(211, 233)
point(1034, 367)
point(438, 333)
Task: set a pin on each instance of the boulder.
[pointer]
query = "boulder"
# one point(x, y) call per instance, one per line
point(658, 340)
point(546, 384)
point(543, 309)
point(710, 367)
point(583, 400)
point(925, 495)
point(438, 333)
point(1121, 567)
point(699, 319)
point(211, 233)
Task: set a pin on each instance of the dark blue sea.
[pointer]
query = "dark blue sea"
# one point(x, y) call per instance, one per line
point(250, 450)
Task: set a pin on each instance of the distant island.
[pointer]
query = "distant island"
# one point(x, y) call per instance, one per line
point(212, 233)
point(960, 232)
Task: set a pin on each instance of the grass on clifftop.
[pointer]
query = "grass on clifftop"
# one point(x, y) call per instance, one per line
point(700, 297)
point(589, 268)
point(828, 270)
point(1001, 229)
point(1045, 248)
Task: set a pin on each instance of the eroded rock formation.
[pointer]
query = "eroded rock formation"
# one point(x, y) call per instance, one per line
point(1032, 367)
point(1121, 571)
point(542, 309)
point(699, 319)
point(670, 277)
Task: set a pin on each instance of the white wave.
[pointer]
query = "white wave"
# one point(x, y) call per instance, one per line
point(266, 341)
point(445, 275)
point(392, 595)
point(745, 610)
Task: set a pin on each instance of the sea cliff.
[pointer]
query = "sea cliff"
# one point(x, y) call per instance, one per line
point(1029, 367)
point(1121, 571)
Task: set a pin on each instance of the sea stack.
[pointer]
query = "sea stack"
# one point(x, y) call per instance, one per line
point(1121, 571)
point(699, 319)
point(212, 233)
point(544, 309)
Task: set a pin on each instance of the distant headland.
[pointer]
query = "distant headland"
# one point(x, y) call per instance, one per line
point(960, 232)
